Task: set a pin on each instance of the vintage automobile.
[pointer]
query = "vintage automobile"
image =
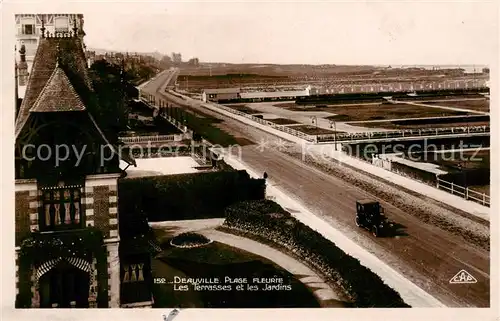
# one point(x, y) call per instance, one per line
point(370, 215)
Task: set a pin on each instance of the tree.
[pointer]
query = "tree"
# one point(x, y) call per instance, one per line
point(194, 62)
point(112, 89)
point(177, 58)
point(165, 62)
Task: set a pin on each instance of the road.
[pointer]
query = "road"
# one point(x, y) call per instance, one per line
point(425, 253)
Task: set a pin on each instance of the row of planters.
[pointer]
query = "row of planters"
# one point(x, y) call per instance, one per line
point(186, 196)
point(267, 220)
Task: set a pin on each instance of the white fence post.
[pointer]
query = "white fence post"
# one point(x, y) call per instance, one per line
point(451, 187)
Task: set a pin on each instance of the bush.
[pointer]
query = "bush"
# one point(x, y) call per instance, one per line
point(185, 196)
point(190, 239)
point(363, 287)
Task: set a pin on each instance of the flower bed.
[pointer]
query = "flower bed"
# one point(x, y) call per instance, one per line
point(313, 130)
point(190, 240)
point(360, 284)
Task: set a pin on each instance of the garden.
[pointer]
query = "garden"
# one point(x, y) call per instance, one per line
point(204, 126)
point(476, 104)
point(283, 121)
point(217, 260)
point(356, 112)
point(418, 123)
point(269, 223)
point(313, 130)
point(243, 108)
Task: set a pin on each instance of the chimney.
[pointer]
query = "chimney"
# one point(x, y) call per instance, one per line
point(23, 67)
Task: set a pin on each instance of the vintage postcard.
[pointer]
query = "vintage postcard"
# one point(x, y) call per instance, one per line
point(251, 155)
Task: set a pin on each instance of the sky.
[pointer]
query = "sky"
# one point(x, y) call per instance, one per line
point(355, 32)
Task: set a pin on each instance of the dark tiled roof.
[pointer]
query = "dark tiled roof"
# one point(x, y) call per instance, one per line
point(63, 86)
point(44, 63)
point(58, 95)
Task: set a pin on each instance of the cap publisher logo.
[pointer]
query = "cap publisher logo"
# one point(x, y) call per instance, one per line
point(463, 277)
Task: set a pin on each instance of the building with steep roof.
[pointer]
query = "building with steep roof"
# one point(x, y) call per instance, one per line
point(28, 28)
point(66, 200)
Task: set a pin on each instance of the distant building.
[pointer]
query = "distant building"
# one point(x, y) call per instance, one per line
point(274, 95)
point(29, 25)
point(220, 94)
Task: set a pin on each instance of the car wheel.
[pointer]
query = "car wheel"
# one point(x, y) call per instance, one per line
point(358, 224)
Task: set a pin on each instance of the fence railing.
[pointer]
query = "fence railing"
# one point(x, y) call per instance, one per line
point(285, 129)
point(450, 187)
point(345, 137)
point(153, 139)
point(464, 192)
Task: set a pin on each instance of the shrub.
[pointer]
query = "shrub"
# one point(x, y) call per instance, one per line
point(259, 218)
point(190, 239)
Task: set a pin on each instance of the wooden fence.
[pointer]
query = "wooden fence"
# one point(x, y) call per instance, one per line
point(464, 192)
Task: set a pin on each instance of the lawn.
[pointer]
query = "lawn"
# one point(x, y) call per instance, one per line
point(312, 130)
point(467, 159)
point(475, 163)
point(482, 189)
point(218, 260)
point(245, 109)
point(283, 121)
point(376, 112)
point(446, 122)
point(480, 105)
point(206, 126)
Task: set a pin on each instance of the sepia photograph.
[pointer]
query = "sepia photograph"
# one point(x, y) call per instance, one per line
point(252, 155)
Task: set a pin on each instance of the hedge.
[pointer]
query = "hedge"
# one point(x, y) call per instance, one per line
point(184, 196)
point(268, 220)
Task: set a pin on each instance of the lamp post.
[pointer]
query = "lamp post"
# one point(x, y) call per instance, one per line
point(333, 125)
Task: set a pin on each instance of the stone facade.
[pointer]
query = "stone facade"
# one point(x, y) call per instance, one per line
point(99, 203)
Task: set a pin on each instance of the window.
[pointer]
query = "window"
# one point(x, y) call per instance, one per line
point(61, 24)
point(61, 209)
point(133, 273)
point(136, 280)
point(28, 29)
